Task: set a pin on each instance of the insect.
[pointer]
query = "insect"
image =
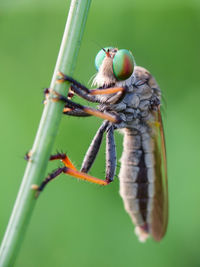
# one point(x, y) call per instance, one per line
point(129, 100)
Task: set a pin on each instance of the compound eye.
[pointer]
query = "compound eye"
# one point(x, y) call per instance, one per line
point(123, 64)
point(100, 57)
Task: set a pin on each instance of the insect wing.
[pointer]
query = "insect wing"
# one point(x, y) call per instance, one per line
point(159, 216)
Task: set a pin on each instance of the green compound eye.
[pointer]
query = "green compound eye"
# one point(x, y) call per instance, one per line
point(123, 64)
point(100, 57)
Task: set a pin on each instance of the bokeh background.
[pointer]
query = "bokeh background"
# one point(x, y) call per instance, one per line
point(76, 223)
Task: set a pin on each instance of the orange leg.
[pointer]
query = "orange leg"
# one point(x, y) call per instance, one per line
point(93, 92)
point(107, 91)
point(87, 94)
point(69, 169)
point(91, 111)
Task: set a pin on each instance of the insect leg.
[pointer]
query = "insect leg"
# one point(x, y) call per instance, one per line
point(68, 111)
point(72, 172)
point(93, 148)
point(75, 112)
point(84, 92)
point(91, 111)
point(49, 178)
point(92, 95)
point(110, 155)
point(68, 169)
point(66, 78)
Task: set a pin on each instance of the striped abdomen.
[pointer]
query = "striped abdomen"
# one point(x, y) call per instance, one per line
point(138, 182)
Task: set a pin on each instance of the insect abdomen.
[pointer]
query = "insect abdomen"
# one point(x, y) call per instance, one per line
point(137, 179)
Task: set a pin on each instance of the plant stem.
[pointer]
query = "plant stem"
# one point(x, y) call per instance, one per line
point(45, 136)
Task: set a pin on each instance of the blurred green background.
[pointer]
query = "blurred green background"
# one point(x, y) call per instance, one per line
point(76, 223)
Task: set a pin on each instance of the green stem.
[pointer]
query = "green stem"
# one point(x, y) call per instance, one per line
point(45, 136)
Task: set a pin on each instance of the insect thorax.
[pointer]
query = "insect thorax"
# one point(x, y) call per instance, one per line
point(136, 105)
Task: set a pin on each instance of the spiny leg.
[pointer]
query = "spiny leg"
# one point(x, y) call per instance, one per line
point(93, 148)
point(75, 112)
point(64, 158)
point(110, 151)
point(103, 115)
point(85, 93)
point(68, 111)
point(49, 178)
point(69, 169)
point(72, 172)
point(60, 156)
point(66, 78)
point(92, 153)
point(74, 109)
point(110, 155)
point(92, 95)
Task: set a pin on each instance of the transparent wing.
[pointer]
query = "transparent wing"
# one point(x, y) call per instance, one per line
point(159, 217)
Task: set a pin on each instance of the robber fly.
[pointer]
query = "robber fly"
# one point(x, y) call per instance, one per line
point(129, 100)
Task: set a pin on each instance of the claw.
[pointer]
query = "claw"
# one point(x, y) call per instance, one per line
point(70, 93)
point(61, 79)
point(28, 156)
